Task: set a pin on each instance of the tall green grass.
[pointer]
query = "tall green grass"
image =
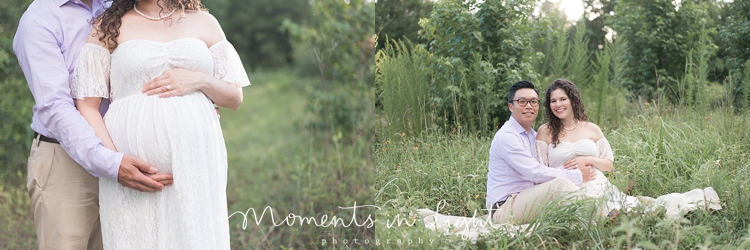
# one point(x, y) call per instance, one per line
point(278, 157)
point(692, 136)
point(420, 92)
point(579, 60)
point(404, 87)
point(682, 150)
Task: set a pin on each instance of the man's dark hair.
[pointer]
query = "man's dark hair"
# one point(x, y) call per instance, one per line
point(520, 85)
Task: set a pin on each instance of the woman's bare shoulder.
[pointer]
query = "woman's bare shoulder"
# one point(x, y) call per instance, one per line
point(543, 133)
point(210, 28)
point(594, 131)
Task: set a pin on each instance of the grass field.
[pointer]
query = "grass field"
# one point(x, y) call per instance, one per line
point(276, 159)
point(675, 152)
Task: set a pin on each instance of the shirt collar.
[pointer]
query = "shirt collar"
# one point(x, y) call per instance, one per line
point(61, 2)
point(517, 126)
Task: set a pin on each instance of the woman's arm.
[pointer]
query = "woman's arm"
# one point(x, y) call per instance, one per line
point(603, 162)
point(599, 163)
point(89, 108)
point(177, 82)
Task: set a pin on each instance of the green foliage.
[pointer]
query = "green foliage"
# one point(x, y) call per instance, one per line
point(618, 63)
point(578, 70)
point(17, 102)
point(677, 152)
point(477, 51)
point(737, 33)
point(404, 87)
point(339, 110)
point(660, 34)
point(339, 37)
point(601, 80)
point(399, 19)
point(18, 230)
point(558, 55)
point(276, 160)
point(596, 18)
point(546, 26)
point(253, 27)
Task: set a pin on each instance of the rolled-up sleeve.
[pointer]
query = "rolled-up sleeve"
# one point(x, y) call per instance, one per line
point(39, 54)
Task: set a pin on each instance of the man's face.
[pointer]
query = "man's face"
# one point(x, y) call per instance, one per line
point(526, 114)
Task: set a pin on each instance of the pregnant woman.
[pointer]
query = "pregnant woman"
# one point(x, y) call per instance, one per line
point(163, 63)
point(569, 140)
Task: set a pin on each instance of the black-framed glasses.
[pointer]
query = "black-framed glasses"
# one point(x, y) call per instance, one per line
point(523, 103)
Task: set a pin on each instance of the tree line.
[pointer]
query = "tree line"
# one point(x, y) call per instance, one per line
point(622, 51)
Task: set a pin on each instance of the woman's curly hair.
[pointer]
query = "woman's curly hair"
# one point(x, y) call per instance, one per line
point(579, 112)
point(111, 20)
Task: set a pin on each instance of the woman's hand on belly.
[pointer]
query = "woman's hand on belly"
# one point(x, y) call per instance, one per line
point(176, 82)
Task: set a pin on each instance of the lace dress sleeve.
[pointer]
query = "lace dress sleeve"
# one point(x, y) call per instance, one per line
point(605, 151)
point(542, 152)
point(91, 73)
point(227, 64)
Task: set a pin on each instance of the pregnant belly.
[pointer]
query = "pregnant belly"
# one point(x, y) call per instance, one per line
point(156, 129)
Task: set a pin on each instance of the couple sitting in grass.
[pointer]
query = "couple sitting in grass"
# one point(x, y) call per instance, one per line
point(528, 170)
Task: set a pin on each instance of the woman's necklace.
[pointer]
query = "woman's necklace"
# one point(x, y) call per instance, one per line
point(574, 127)
point(153, 18)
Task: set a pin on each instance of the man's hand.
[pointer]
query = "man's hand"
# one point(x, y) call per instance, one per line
point(131, 174)
point(587, 172)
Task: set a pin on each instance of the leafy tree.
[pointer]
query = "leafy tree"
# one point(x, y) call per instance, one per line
point(338, 37)
point(253, 27)
point(597, 15)
point(660, 36)
point(737, 33)
point(549, 39)
point(736, 38)
point(399, 19)
point(478, 50)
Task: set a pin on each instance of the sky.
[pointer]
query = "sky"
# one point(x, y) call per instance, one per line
point(572, 8)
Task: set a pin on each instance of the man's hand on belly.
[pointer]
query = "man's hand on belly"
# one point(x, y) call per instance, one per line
point(140, 175)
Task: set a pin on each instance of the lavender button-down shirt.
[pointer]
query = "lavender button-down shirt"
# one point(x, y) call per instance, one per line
point(513, 166)
point(49, 37)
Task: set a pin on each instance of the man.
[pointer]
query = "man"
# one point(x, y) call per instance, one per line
point(64, 197)
point(517, 185)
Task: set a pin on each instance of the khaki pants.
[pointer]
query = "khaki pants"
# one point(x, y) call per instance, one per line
point(521, 207)
point(64, 199)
